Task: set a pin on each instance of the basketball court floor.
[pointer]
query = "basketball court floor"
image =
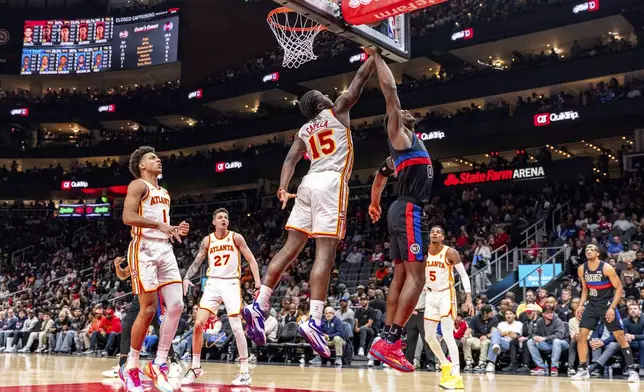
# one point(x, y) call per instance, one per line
point(41, 373)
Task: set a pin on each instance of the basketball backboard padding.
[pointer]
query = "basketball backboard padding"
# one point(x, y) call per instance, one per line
point(319, 11)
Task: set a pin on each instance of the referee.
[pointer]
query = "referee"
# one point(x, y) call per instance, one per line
point(123, 273)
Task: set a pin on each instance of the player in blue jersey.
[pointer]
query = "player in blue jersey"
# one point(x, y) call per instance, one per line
point(406, 218)
point(600, 295)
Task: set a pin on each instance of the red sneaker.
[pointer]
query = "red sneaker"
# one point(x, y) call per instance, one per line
point(391, 354)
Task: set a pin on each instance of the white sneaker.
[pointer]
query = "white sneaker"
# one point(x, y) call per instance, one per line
point(370, 363)
point(582, 374)
point(242, 379)
point(191, 376)
point(633, 376)
point(175, 370)
point(490, 368)
point(496, 349)
point(361, 352)
point(112, 373)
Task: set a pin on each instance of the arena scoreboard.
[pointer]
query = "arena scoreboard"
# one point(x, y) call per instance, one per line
point(58, 47)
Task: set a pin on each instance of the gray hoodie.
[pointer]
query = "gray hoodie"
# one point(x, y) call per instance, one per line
point(555, 330)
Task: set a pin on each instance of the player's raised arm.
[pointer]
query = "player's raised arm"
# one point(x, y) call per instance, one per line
point(240, 243)
point(288, 168)
point(455, 260)
point(131, 217)
point(609, 271)
point(346, 101)
point(379, 184)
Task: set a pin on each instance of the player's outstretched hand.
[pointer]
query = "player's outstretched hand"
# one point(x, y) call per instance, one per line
point(579, 312)
point(171, 231)
point(186, 286)
point(284, 196)
point(371, 51)
point(184, 228)
point(374, 212)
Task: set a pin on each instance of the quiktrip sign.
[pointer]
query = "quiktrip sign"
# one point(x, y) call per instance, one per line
point(463, 34)
point(589, 6)
point(359, 12)
point(67, 185)
point(272, 77)
point(424, 136)
point(544, 119)
point(221, 167)
point(22, 112)
point(111, 108)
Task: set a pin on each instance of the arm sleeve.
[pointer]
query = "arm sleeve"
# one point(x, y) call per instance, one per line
point(385, 170)
point(460, 268)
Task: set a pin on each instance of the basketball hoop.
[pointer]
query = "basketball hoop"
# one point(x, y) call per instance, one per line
point(295, 33)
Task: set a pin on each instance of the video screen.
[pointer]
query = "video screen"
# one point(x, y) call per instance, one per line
point(59, 47)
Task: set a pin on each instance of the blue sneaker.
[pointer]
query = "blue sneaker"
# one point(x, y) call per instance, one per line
point(254, 323)
point(313, 334)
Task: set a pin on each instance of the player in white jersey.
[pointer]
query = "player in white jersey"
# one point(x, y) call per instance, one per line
point(224, 249)
point(320, 204)
point(441, 306)
point(153, 266)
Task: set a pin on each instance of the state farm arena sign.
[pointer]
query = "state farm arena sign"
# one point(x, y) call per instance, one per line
point(493, 176)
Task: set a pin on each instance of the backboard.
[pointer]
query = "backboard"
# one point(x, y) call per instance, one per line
point(391, 35)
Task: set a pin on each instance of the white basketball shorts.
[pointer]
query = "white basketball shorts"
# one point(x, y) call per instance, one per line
point(439, 304)
point(217, 291)
point(152, 264)
point(321, 205)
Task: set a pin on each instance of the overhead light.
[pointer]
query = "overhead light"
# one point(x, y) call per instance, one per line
point(246, 107)
point(548, 45)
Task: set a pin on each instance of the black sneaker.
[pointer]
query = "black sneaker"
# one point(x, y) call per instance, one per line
point(468, 368)
point(480, 368)
point(509, 369)
point(523, 369)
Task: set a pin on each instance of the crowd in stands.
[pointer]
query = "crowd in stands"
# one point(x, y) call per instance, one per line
point(63, 296)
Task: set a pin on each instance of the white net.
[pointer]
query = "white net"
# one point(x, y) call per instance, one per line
point(295, 33)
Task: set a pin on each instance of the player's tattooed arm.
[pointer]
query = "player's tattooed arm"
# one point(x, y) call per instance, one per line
point(201, 256)
point(347, 100)
point(241, 244)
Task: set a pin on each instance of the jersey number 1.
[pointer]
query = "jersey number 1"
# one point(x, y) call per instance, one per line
point(218, 260)
point(322, 143)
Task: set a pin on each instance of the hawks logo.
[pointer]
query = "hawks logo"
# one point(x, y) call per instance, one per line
point(4, 37)
point(414, 248)
point(134, 273)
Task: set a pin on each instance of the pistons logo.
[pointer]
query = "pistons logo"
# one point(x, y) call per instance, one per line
point(414, 248)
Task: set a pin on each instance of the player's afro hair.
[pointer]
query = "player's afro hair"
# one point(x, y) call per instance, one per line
point(309, 104)
point(135, 159)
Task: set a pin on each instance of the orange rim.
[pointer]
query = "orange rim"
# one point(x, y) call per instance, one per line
point(286, 10)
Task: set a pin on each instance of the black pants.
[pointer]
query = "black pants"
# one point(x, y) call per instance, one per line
point(416, 327)
point(514, 349)
point(20, 336)
point(126, 335)
point(365, 335)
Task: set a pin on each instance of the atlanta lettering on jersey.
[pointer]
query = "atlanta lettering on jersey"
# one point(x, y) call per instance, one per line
point(159, 200)
point(435, 263)
point(221, 248)
point(316, 125)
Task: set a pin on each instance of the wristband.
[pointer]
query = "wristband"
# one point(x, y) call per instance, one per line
point(385, 170)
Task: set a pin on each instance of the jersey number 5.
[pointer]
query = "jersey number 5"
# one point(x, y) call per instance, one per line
point(218, 260)
point(322, 143)
point(432, 276)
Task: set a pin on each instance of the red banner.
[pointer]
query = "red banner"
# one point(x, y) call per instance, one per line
point(358, 12)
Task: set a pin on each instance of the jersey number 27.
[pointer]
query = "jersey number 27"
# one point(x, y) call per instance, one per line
point(218, 263)
point(322, 143)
